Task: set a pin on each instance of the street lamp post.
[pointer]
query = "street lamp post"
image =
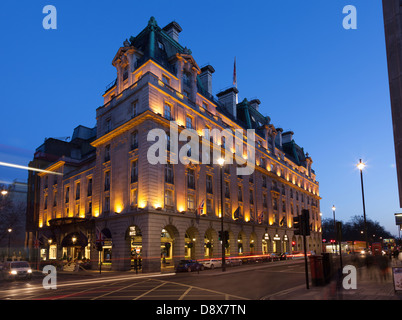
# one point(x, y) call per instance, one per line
point(333, 213)
point(361, 166)
point(221, 162)
point(9, 241)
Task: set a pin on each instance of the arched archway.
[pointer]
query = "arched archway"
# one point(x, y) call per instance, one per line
point(285, 243)
point(134, 236)
point(253, 243)
point(210, 242)
point(241, 243)
point(106, 257)
point(169, 249)
point(191, 239)
point(276, 243)
point(265, 243)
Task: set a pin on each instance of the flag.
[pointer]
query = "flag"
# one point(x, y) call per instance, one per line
point(234, 74)
point(200, 210)
point(260, 217)
point(36, 243)
point(99, 236)
point(237, 213)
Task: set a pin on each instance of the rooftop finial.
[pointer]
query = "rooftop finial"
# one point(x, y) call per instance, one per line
point(152, 22)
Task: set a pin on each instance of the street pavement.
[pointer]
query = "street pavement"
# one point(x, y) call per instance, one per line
point(370, 285)
point(166, 285)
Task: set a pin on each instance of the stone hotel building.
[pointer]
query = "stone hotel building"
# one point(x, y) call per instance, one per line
point(102, 186)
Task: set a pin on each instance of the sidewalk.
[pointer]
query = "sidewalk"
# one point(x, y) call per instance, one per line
point(370, 286)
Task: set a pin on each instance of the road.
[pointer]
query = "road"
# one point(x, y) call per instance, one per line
point(246, 282)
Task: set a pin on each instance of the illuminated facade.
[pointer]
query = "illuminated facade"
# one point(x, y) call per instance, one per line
point(152, 209)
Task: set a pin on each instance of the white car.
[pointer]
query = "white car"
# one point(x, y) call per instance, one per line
point(212, 263)
point(234, 262)
point(16, 270)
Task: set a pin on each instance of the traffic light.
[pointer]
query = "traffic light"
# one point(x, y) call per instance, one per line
point(306, 222)
point(220, 235)
point(301, 223)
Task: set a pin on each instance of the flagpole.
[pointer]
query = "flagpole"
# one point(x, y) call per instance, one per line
point(235, 79)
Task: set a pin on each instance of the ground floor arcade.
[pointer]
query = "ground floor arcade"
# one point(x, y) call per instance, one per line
point(153, 240)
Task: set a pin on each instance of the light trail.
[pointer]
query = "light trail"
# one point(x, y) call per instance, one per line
point(80, 282)
point(17, 166)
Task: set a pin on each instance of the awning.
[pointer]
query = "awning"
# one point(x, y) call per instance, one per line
point(64, 221)
point(107, 234)
point(75, 239)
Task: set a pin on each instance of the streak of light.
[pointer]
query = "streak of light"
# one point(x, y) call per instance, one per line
point(12, 165)
point(80, 282)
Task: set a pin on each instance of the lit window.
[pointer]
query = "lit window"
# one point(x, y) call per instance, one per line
point(167, 111)
point(189, 122)
point(168, 197)
point(166, 79)
point(190, 202)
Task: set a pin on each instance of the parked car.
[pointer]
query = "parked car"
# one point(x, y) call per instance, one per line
point(234, 262)
point(189, 265)
point(16, 270)
point(212, 263)
point(297, 254)
point(274, 257)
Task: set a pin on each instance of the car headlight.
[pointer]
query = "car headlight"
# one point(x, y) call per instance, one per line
point(29, 270)
point(13, 272)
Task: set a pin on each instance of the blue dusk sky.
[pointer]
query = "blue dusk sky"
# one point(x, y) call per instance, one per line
point(327, 84)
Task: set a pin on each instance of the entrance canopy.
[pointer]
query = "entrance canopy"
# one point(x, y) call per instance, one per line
point(75, 239)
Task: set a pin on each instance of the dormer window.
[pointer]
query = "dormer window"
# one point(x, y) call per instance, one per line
point(186, 79)
point(161, 46)
point(125, 73)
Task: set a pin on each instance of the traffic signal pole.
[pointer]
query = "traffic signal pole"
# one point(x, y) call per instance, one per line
point(305, 260)
point(301, 225)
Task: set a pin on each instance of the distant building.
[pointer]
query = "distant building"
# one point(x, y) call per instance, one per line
point(165, 212)
point(392, 10)
point(12, 215)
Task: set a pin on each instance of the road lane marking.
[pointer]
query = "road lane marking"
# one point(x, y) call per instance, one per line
point(203, 289)
point(145, 293)
point(117, 290)
point(185, 293)
point(279, 293)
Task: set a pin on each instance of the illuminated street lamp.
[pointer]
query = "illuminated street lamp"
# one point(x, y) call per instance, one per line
point(9, 241)
point(333, 213)
point(221, 162)
point(361, 166)
point(4, 192)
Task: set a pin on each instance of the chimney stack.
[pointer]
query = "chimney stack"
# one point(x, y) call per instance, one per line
point(228, 98)
point(287, 136)
point(255, 103)
point(173, 29)
point(206, 78)
point(278, 138)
